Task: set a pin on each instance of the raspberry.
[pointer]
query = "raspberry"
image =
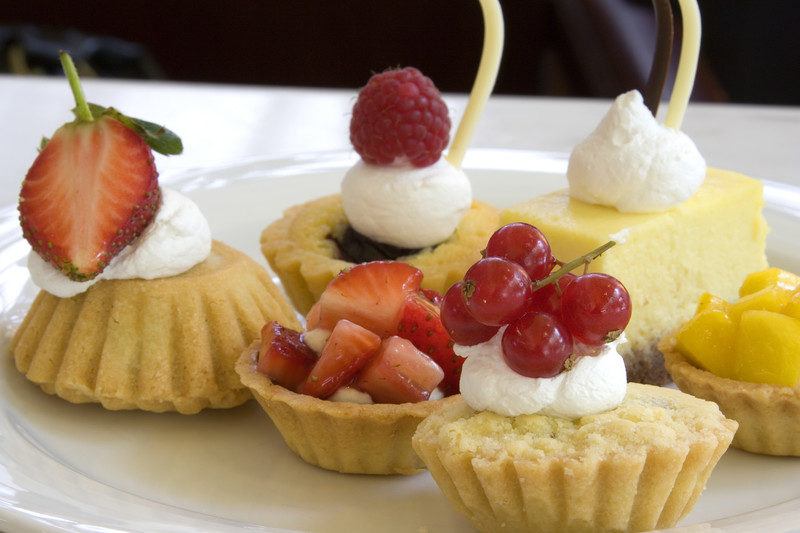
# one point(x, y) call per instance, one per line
point(400, 113)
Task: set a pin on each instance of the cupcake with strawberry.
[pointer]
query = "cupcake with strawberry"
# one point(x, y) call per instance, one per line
point(403, 201)
point(139, 308)
point(547, 435)
point(375, 360)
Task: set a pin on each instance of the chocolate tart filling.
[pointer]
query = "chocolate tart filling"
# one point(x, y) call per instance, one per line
point(357, 248)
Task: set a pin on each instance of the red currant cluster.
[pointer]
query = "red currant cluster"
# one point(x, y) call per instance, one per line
point(550, 314)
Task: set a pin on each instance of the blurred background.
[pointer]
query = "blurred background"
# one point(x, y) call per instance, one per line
point(581, 48)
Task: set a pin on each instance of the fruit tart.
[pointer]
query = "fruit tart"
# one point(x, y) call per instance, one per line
point(348, 393)
point(401, 201)
point(547, 435)
point(745, 356)
point(681, 228)
point(139, 308)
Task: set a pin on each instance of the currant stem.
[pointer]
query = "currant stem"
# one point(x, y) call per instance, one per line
point(81, 107)
point(572, 265)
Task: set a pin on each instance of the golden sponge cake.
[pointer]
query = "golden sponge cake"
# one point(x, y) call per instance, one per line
point(167, 344)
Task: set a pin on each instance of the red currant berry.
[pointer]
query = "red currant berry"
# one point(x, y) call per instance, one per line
point(496, 291)
point(459, 323)
point(595, 307)
point(548, 298)
point(524, 245)
point(537, 345)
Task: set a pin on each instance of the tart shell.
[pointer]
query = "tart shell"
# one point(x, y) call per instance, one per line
point(167, 344)
point(300, 250)
point(344, 437)
point(768, 415)
point(605, 488)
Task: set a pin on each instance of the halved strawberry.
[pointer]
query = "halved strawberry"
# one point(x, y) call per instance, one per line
point(371, 295)
point(399, 373)
point(283, 357)
point(94, 187)
point(348, 350)
point(421, 324)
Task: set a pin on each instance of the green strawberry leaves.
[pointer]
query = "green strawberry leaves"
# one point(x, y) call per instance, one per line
point(158, 137)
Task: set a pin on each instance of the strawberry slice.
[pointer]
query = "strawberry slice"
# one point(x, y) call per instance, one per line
point(90, 192)
point(348, 350)
point(399, 373)
point(283, 356)
point(94, 187)
point(420, 323)
point(371, 295)
point(433, 296)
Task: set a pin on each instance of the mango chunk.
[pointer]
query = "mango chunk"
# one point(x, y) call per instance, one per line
point(707, 342)
point(708, 302)
point(771, 277)
point(768, 299)
point(767, 348)
point(792, 309)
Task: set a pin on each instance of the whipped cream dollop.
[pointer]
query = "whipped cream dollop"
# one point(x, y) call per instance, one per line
point(177, 239)
point(406, 206)
point(633, 163)
point(594, 383)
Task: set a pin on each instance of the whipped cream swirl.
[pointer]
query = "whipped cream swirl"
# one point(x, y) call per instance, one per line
point(177, 239)
point(633, 163)
point(406, 206)
point(593, 385)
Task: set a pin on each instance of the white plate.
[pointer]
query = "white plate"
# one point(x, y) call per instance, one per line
point(71, 467)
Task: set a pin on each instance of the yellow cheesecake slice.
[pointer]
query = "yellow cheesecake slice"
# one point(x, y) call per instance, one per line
point(709, 243)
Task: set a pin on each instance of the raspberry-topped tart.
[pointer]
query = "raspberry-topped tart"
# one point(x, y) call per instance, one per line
point(682, 228)
point(403, 200)
point(347, 393)
point(547, 434)
point(139, 308)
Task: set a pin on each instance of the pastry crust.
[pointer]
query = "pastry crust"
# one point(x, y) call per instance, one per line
point(167, 344)
point(638, 467)
point(300, 251)
point(345, 437)
point(768, 415)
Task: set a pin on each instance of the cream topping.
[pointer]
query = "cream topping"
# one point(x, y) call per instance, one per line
point(633, 163)
point(594, 384)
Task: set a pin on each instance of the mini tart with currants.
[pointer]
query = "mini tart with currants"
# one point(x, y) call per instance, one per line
point(139, 308)
point(402, 201)
point(547, 434)
point(348, 393)
point(745, 356)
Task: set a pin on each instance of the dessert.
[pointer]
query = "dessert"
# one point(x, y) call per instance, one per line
point(139, 309)
point(348, 393)
point(745, 356)
point(401, 201)
point(681, 229)
point(547, 434)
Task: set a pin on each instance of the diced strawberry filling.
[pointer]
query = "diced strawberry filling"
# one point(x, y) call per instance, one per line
point(399, 373)
point(283, 357)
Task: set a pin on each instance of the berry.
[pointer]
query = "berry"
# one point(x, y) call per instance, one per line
point(548, 298)
point(91, 191)
point(537, 345)
point(400, 113)
point(283, 357)
point(421, 324)
point(399, 373)
point(496, 291)
point(596, 308)
point(371, 295)
point(525, 245)
point(348, 350)
point(459, 323)
point(432, 296)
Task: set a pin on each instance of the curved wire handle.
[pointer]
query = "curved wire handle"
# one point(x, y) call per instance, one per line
point(493, 35)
